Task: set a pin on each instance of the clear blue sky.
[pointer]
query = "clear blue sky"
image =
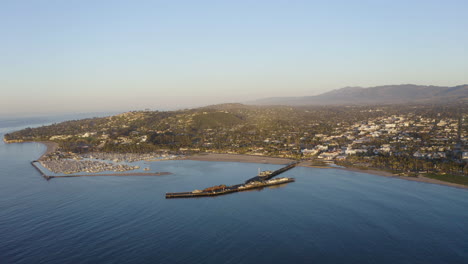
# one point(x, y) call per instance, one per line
point(65, 56)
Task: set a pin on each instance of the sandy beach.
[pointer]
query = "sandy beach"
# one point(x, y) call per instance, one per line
point(238, 158)
point(217, 157)
point(420, 178)
point(282, 161)
point(51, 147)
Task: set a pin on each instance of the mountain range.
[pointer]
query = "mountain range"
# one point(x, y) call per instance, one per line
point(387, 94)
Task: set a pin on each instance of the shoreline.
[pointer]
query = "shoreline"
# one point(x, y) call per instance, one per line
point(219, 157)
point(242, 158)
point(51, 147)
point(419, 178)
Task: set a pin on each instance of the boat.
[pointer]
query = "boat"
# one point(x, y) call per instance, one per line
point(264, 173)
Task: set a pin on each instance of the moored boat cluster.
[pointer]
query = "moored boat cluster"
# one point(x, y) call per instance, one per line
point(69, 163)
point(68, 166)
point(128, 157)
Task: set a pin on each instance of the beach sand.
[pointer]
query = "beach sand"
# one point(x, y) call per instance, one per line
point(283, 161)
point(238, 158)
point(51, 147)
point(419, 178)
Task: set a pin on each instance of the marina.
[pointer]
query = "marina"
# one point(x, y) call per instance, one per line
point(48, 177)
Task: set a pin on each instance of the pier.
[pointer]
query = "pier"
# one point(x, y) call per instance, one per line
point(273, 174)
point(228, 189)
point(256, 182)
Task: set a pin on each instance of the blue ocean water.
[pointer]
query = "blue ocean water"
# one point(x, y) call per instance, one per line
point(326, 216)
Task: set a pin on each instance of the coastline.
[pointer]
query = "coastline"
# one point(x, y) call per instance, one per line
point(419, 178)
point(242, 158)
point(51, 148)
point(218, 157)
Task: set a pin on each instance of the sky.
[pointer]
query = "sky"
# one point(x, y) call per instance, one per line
point(86, 56)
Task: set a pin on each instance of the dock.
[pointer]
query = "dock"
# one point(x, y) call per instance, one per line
point(228, 189)
point(256, 182)
point(273, 174)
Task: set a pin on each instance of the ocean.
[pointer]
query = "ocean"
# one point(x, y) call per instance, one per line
point(326, 216)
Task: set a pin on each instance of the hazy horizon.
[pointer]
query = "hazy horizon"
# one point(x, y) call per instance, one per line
point(111, 56)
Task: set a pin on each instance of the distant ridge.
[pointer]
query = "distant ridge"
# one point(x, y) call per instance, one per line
point(387, 94)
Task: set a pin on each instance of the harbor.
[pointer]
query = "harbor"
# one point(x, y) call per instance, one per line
point(48, 177)
point(263, 179)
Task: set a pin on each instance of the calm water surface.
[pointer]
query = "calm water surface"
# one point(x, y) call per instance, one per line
point(326, 216)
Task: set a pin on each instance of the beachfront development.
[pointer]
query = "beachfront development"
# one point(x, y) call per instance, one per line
point(408, 140)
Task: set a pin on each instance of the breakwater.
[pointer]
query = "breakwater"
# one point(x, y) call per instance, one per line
point(33, 163)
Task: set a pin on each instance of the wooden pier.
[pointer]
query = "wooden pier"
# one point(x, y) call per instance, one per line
point(273, 174)
point(256, 182)
point(229, 189)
